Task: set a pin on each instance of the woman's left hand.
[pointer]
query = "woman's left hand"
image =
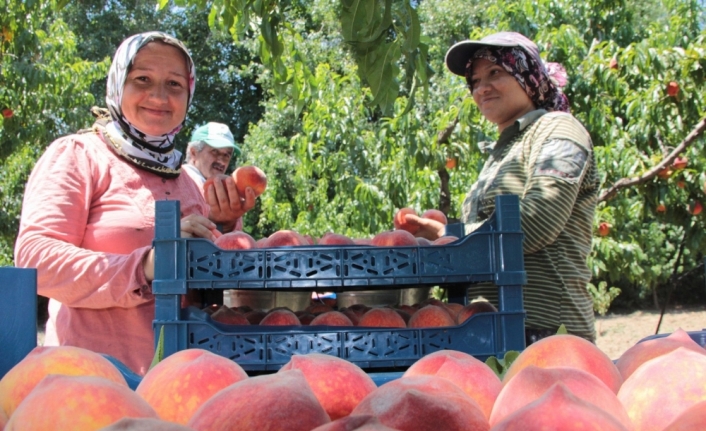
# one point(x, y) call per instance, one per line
point(197, 226)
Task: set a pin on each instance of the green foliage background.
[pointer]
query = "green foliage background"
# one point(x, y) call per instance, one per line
point(348, 108)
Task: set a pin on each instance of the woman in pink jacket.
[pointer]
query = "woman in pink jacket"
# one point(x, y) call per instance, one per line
point(88, 214)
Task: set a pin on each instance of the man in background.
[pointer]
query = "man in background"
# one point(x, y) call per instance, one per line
point(209, 152)
point(208, 155)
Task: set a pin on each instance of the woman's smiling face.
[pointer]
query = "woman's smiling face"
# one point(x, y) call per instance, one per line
point(156, 93)
point(497, 93)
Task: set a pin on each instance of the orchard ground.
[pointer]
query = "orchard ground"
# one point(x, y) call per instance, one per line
point(618, 331)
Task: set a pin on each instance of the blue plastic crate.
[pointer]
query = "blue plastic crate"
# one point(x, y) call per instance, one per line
point(493, 253)
point(18, 317)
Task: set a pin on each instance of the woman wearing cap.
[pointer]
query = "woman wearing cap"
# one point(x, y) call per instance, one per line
point(88, 214)
point(543, 155)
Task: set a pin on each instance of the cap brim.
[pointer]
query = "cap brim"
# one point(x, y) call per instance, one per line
point(457, 56)
point(219, 143)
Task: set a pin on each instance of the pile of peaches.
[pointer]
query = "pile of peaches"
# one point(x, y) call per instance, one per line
point(562, 382)
point(429, 313)
point(255, 178)
point(402, 235)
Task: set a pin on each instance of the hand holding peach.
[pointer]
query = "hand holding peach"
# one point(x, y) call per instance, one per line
point(226, 201)
point(429, 228)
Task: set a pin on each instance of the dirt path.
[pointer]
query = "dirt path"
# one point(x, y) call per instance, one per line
point(616, 332)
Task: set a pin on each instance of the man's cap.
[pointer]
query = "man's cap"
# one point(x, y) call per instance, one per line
point(458, 55)
point(216, 135)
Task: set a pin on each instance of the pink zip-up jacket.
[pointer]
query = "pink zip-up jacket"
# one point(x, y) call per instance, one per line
point(87, 223)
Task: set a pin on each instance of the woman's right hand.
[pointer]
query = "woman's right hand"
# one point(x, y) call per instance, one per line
point(428, 228)
point(192, 226)
point(197, 226)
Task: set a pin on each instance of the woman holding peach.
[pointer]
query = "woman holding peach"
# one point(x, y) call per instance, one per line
point(543, 155)
point(88, 214)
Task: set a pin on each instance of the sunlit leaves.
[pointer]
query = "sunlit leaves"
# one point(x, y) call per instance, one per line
point(46, 84)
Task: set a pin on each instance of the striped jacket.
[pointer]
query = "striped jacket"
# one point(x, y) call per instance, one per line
point(547, 160)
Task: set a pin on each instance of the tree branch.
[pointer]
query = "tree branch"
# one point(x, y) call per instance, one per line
point(697, 131)
point(442, 138)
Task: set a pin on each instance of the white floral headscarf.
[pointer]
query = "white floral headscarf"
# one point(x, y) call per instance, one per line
point(154, 153)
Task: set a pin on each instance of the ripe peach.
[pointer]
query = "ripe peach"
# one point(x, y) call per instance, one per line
point(339, 385)
point(229, 316)
point(431, 316)
point(642, 352)
point(394, 238)
point(432, 301)
point(672, 89)
point(42, 361)
point(613, 63)
point(145, 424)
point(243, 309)
point(474, 377)
point(453, 308)
point(532, 382)
point(331, 238)
point(283, 238)
point(559, 410)
point(692, 419)
point(403, 314)
point(443, 240)
point(359, 309)
point(663, 388)
point(423, 242)
point(178, 385)
point(566, 350)
point(382, 318)
point(7, 113)
point(318, 308)
point(355, 423)
point(362, 241)
point(696, 208)
point(435, 214)
point(283, 401)
point(77, 403)
point(474, 308)
point(236, 240)
point(661, 208)
point(409, 309)
point(423, 403)
point(280, 317)
point(680, 163)
point(665, 173)
point(603, 229)
point(355, 318)
point(306, 318)
point(250, 176)
point(331, 318)
point(255, 316)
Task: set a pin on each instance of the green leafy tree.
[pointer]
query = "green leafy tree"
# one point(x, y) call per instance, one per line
point(620, 56)
point(360, 117)
point(44, 93)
